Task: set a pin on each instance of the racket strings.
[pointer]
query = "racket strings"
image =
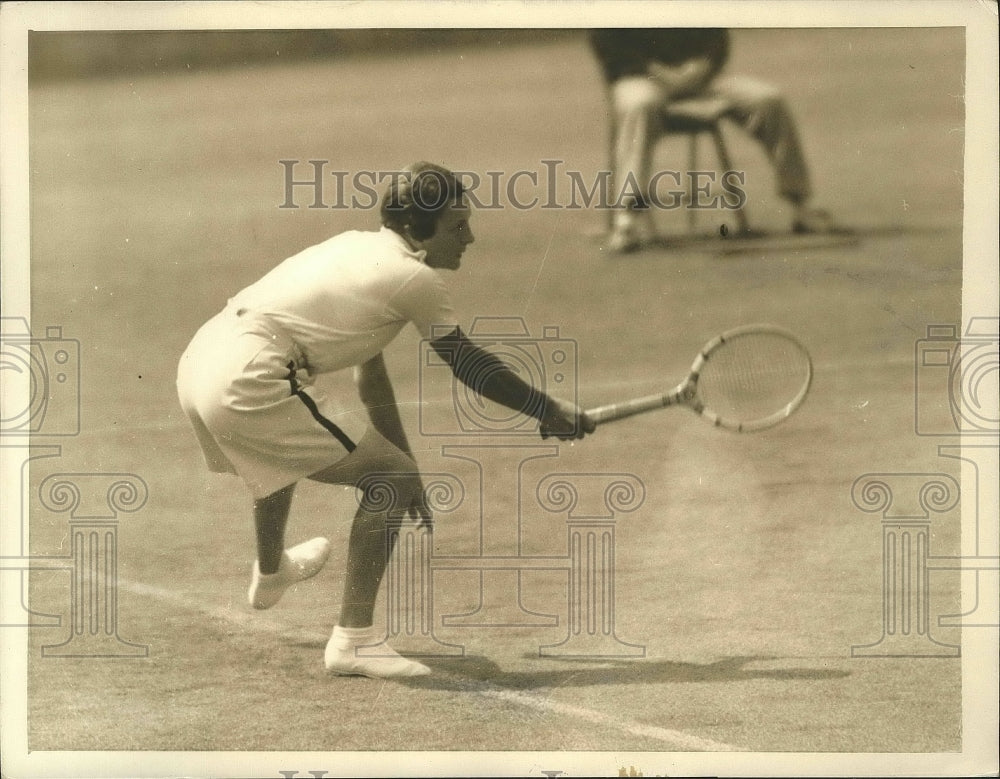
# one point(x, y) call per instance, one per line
point(754, 376)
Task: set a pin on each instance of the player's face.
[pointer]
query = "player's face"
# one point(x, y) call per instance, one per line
point(444, 248)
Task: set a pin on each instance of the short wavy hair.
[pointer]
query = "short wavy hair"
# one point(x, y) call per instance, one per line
point(416, 197)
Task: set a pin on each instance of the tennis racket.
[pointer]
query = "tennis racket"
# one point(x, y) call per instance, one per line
point(746, 379)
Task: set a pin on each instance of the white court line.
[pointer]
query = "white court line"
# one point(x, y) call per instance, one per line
point(675, 740)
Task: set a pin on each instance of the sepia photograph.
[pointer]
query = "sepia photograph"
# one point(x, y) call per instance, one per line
point(499, 389)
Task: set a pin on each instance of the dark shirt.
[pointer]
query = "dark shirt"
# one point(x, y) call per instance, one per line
point(628, 52)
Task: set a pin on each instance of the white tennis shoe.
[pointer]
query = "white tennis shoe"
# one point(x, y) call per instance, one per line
point(624, 239)
point(341, 657)
point(299, 563)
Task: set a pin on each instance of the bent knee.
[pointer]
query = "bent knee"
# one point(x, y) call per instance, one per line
point(637, 95)
point(389, 491)
point(394, 463)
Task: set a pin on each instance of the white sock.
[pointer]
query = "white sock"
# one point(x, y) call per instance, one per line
point(349, 638)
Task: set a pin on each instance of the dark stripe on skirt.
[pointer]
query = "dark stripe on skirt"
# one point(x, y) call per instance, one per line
point(310, 404)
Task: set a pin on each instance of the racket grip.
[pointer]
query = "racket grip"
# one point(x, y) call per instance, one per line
point(628, 408)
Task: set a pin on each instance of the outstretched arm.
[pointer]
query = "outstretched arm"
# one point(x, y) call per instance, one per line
point(491, 378)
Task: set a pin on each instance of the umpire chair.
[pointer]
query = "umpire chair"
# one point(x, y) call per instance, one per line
point(694, 117)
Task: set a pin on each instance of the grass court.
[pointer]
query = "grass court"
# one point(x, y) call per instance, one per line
point(747, 573)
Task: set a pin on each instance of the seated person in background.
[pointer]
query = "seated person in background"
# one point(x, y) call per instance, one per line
point(647, 69)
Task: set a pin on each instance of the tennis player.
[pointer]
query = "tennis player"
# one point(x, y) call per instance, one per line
point(246, 381)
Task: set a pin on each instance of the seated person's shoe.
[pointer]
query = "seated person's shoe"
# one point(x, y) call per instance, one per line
point(815, 222)
point(623, 240)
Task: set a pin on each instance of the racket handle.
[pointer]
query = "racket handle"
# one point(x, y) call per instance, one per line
point(628, 408)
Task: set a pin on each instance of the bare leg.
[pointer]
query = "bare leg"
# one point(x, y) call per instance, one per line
point(276, 568)
point(367, 552)
point(270, 516)
point(368, 546)
point(390, 484)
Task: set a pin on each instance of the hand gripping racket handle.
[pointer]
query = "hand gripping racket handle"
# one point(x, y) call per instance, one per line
point(682, 393)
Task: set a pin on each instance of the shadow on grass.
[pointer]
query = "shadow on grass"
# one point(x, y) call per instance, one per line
point(461, 673)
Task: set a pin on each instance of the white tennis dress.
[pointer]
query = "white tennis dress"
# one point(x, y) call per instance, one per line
point(246, 379)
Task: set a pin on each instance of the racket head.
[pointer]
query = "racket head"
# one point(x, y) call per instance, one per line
point(751, 377)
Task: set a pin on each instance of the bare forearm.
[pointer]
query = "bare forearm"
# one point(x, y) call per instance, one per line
point(489, 376)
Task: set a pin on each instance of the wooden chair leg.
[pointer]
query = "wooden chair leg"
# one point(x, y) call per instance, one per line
point(723, 156)
point(692, 212)
point(612, 161)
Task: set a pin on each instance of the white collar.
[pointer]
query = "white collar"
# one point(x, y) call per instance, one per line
point(418, 254)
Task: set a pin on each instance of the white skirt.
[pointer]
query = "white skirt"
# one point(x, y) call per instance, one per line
point(254, 412)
